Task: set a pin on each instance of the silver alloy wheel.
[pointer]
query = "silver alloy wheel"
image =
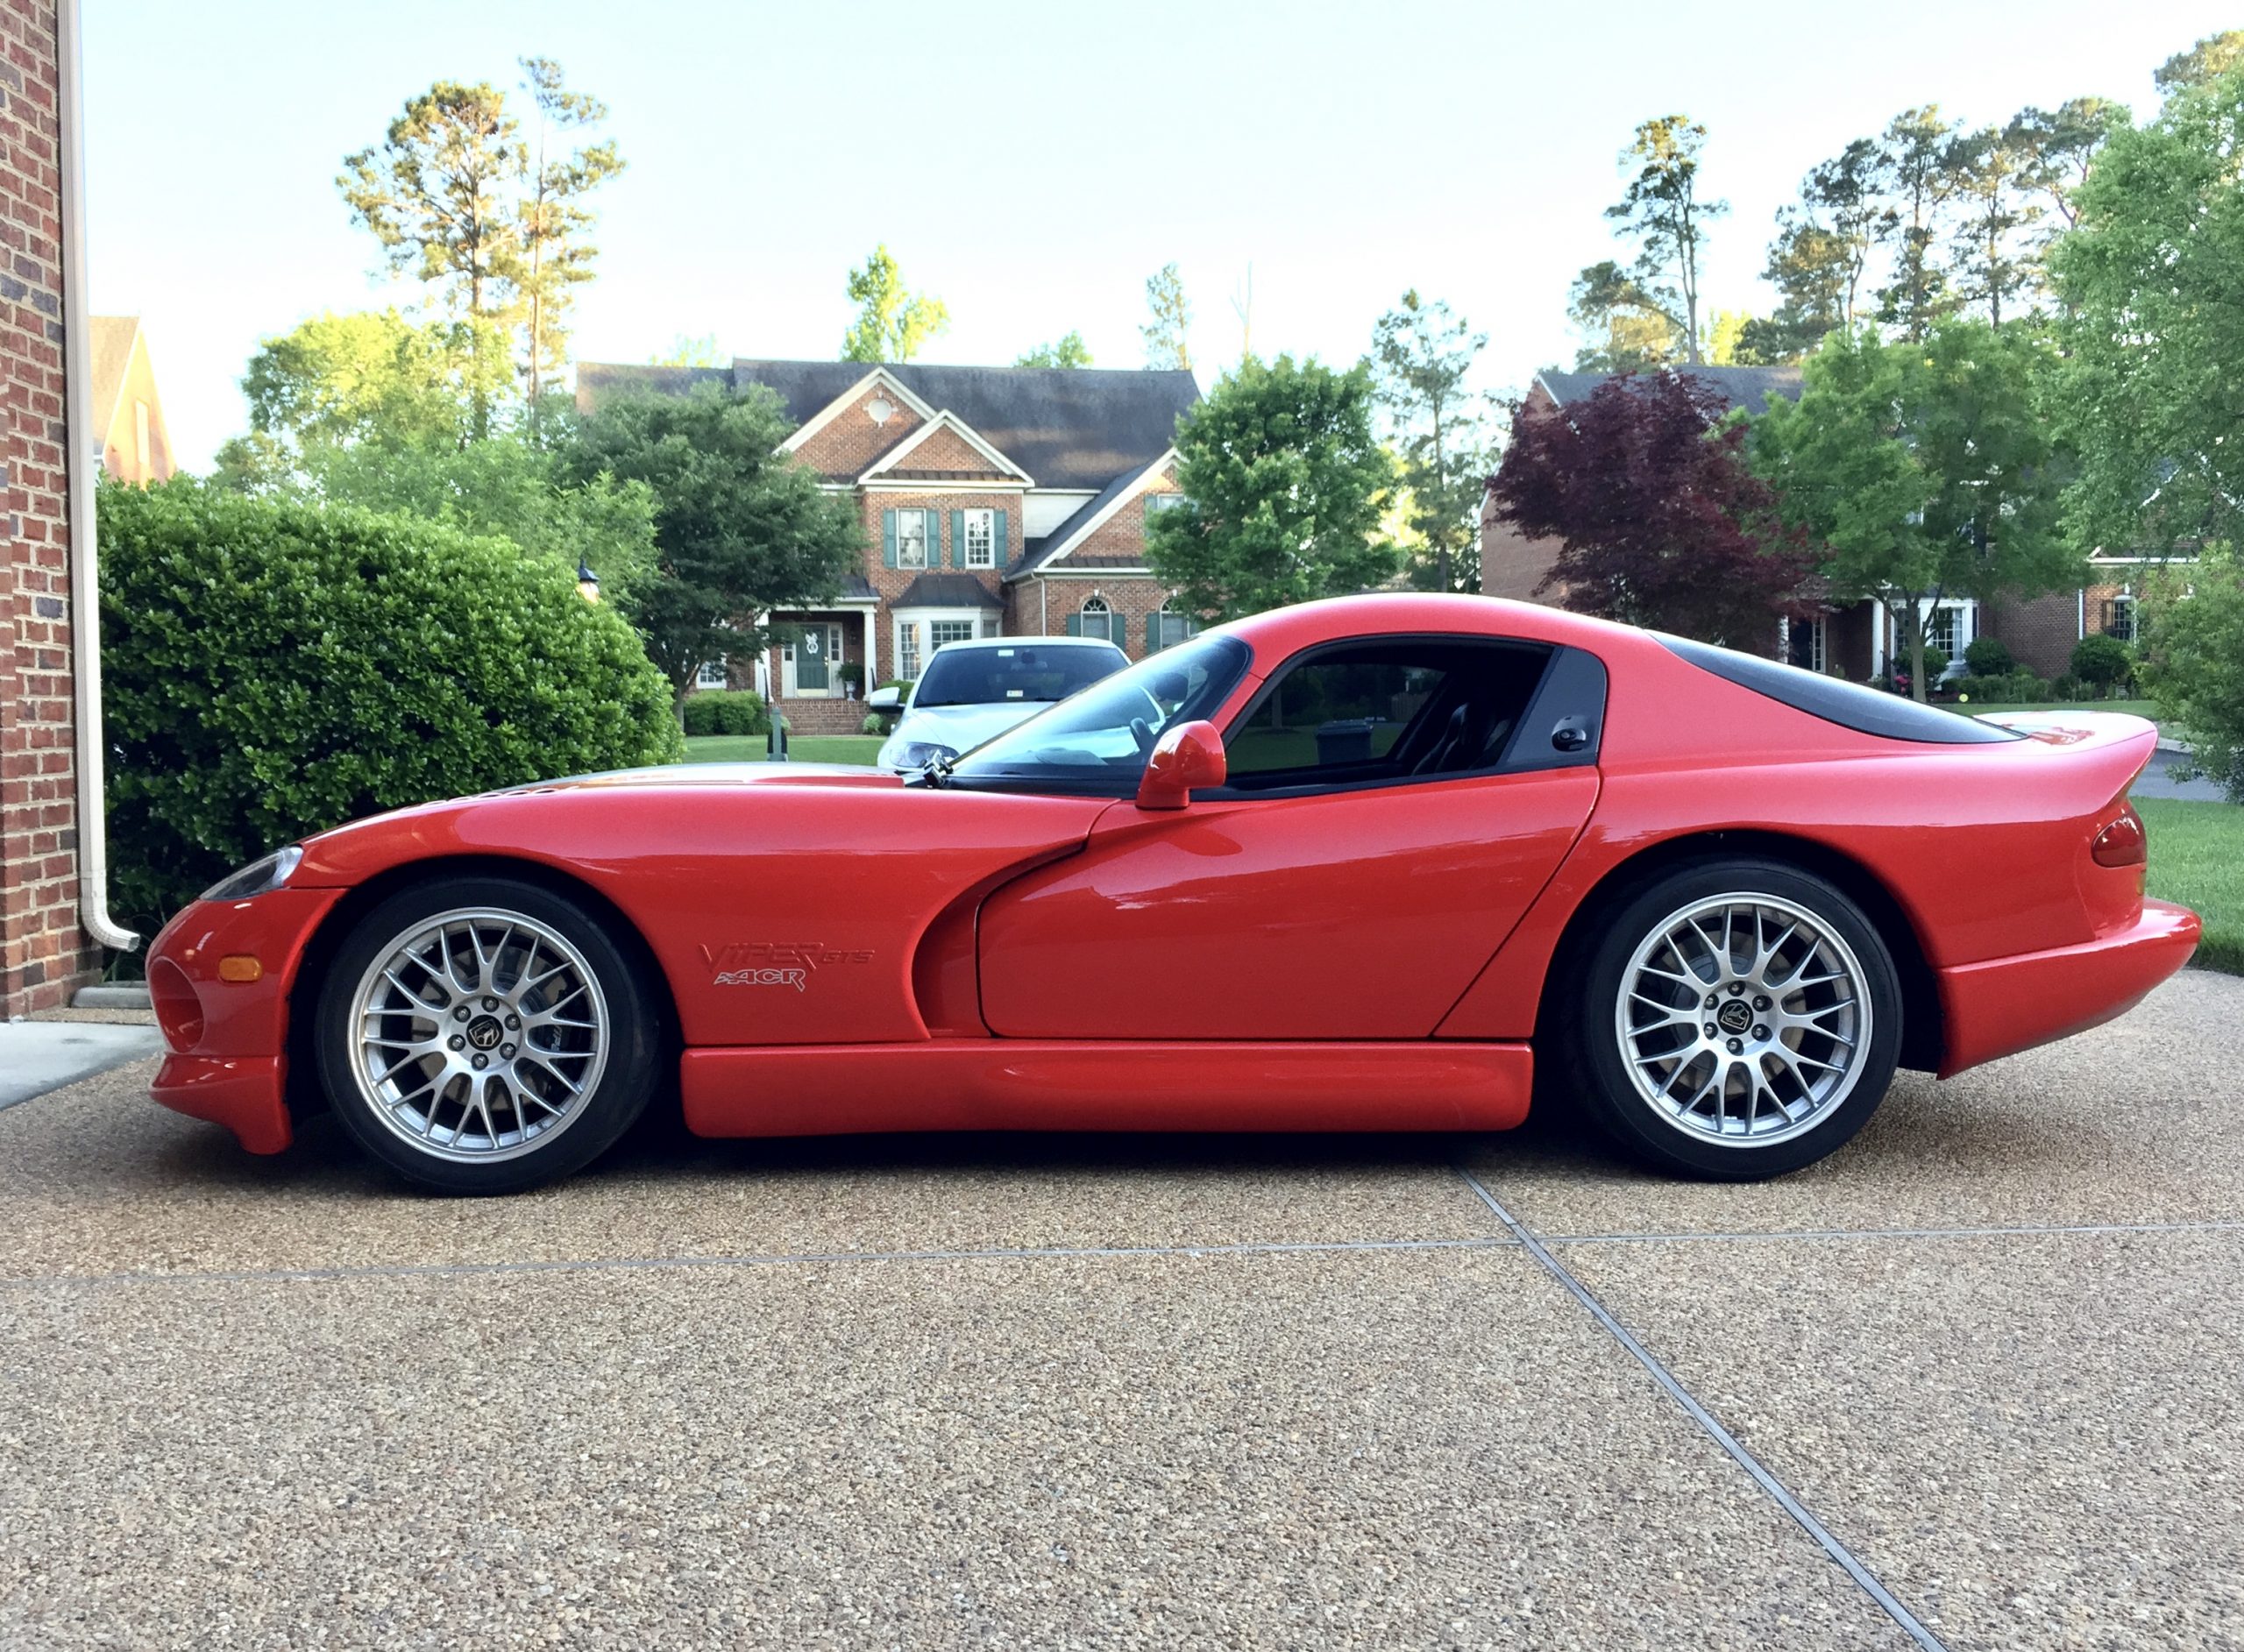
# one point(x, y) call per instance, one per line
point(479, 1034)
point(1744, 1019)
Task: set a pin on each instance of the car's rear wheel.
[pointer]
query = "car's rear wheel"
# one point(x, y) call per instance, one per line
point(481, 1035)
point(1737, 1019)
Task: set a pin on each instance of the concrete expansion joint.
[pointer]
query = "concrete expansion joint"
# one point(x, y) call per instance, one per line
point(1708, 1423)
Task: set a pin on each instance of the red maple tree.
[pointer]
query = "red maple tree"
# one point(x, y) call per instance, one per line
point(1659, 520)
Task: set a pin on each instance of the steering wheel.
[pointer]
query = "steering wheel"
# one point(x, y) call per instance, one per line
point(1142, 732)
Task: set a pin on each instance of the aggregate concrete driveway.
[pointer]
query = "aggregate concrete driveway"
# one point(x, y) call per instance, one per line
point(1972, 1384)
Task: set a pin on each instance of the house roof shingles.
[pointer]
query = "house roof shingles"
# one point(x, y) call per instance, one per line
point(1746, 387)
point(947, 591)
point(1034, 552)
point(1067, 427)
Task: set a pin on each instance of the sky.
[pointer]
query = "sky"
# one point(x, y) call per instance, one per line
point(1029, 164)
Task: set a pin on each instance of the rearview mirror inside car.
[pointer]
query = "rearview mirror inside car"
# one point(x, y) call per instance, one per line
point(1187, 758)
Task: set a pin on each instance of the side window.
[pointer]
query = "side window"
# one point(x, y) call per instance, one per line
point(1386, 710)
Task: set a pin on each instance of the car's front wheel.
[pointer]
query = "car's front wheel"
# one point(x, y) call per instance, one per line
point(1737, 1020)
point(481, 1035)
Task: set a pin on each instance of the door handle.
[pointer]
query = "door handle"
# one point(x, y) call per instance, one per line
point(1570, 733)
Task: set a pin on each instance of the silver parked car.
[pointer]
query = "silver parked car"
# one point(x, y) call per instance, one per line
point(972, 692)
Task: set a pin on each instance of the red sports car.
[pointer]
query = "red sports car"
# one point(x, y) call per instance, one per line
point(1365, 864)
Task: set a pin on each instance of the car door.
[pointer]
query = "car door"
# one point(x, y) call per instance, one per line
point(1394, 806)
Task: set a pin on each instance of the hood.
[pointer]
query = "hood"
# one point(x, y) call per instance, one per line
point(964, 728)
point(714, 774)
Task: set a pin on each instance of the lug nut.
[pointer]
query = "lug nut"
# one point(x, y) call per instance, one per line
point(1736, 988)
point(1760, 1003)
point(514, 1021)
point(460, 1014)
point(490, 1003)
point(1712, 1001)
point(1760, 1033)
point(1710, 1029)
point(507, 1051)
point(456, 1042)
point(1737, 1047)
point(482, 1061)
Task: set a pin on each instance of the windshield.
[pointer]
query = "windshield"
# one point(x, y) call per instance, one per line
point(1108, 730)
point(1030, 671)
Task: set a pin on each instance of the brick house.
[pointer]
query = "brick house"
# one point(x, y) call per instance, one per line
point(128, 415)
point(1857, 639)
point(45, 953)
point(995, 501)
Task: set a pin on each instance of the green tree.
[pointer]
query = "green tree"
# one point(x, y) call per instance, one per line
point(2061, 145)
point(1624, 328)
point(1993, 173)
point(1069, 352)
point(1925, 468)
point(1420, 358)
point(1916, 156)
point(741, 529)
point(437, 194)
point(553, 221)
point(371, 378)
point(892, 322)
point(2193, 662)
point(1167, 334)
point(1283, 483)
point(2152, 283)
point(689, 352)
point(2214, 55)
point(1662, 210)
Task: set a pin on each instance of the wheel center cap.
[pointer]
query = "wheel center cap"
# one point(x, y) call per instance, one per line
point(1733, 1018)
point(483, 1032)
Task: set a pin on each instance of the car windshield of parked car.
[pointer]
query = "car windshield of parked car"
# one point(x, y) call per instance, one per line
point(1028, 673)
point(1107, 732)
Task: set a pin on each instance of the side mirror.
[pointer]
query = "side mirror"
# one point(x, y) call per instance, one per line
point(1188, 758)
point(885, 699)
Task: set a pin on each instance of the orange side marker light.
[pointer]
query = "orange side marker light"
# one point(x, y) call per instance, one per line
point(240, 967)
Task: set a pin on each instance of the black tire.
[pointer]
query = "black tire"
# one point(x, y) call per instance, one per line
point(588, 1122)
point(1679, 1139)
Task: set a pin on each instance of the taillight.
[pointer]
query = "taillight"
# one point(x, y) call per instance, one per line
point(2123, 842)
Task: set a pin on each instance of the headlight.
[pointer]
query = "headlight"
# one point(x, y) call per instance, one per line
point(257, 877)
point(918, 754)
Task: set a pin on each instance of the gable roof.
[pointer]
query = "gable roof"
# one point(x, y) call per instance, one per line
point(1746, 387)
point(891, 463)
point(1067, 427)
point(1036, 554)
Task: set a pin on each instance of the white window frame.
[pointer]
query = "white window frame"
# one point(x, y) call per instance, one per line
point(712, 674)
point(980, 527)
point(1819, 643)
point(927, 547)
point(2124, 603)
point(1105, 609)
point(912, 632)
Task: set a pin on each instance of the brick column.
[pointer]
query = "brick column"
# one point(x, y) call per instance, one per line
point(43, 956)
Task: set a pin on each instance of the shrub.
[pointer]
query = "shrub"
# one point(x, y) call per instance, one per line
point(874, 723)
point(1935, 663)
point(2065, 688)
point(2196, 667)
point(2009, 688)
point(1989, 657)
point(2103, 663)
point(273, 669)
point(730, 710)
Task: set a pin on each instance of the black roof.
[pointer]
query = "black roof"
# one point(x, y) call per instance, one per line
point(1746, 387)
point(1034, 552)
point(1067, 427)
point(947, 591)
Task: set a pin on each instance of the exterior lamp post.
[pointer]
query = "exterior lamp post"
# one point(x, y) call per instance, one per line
point(587, 581)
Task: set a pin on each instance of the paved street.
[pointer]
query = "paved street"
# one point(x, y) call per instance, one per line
point(1971, 1384)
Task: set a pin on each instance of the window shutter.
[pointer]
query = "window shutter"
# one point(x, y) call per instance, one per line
point(1152, 633)
point(887, 539)
point(1075, 625)
point(998, 538)
point(958, 539)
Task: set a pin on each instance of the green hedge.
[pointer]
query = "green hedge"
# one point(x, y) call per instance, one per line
point(2010, 688)
point(272, 669)
point(727, 711)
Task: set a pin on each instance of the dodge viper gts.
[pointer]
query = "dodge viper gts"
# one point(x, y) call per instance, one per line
point(1374, 863)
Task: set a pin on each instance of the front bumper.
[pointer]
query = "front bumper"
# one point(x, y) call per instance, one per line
point(2005, 1005)
point(228, 1059)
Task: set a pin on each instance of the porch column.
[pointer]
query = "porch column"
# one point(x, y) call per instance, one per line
point(872, 657)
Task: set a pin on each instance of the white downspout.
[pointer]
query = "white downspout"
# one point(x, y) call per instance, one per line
point(85, 589)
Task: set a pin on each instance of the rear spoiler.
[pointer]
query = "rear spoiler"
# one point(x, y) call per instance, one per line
point(2105, 750)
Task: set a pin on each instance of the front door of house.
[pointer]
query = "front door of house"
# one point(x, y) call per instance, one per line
point(810, 661)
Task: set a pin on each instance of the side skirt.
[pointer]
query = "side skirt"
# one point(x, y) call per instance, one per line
point(1040, 1084)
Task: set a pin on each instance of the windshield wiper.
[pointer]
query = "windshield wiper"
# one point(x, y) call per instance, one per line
point(936, 770)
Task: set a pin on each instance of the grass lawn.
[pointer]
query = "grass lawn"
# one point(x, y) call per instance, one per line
point(802, 749)
point(2197, 857)
point(2133, 708)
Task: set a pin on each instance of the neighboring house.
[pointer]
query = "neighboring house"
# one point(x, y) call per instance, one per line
point(1858, 639)
point(995, 501)
point(128, 415)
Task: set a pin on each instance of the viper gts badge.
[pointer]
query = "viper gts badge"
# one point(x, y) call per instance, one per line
point(774, 963)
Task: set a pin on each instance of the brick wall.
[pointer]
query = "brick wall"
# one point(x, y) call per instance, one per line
point(2040, 631)
point(849, 442)
point(1129, 596)
point(43, 956)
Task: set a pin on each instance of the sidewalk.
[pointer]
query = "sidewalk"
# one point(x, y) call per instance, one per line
point(43, 1055)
